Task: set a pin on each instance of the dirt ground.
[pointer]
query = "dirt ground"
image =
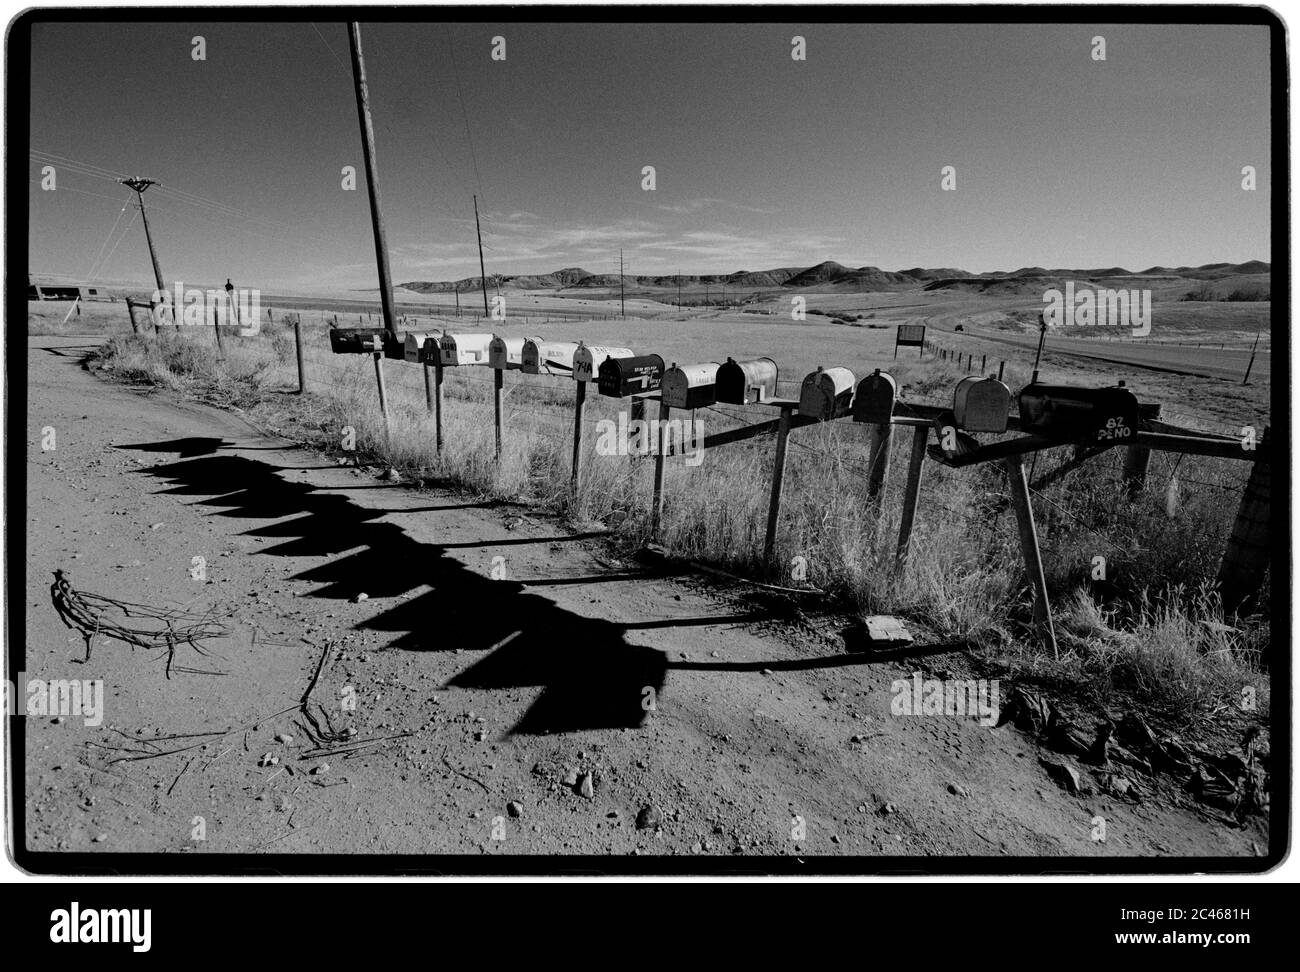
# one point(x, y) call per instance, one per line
point(504, 656)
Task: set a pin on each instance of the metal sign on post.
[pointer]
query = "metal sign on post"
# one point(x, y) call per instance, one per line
point(909, 336)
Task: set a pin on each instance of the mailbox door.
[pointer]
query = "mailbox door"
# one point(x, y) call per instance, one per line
point(746, 382)
point(982, 405)
point(874, 402)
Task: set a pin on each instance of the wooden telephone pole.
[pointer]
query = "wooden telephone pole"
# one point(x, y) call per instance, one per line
point(372, 175)
point(140, 185)
point(481, 271)
point(622, 307)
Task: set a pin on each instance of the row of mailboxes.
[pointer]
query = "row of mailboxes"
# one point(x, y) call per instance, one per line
point(826, 394)
point(746, 382)
point(548, 357)
point(690, 386)
point(637, 375)
point(589, 357)
point(1104, 416)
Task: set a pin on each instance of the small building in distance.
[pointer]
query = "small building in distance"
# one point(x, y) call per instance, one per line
point(50, 287)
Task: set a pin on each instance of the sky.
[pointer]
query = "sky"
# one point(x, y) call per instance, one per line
point(760, 160)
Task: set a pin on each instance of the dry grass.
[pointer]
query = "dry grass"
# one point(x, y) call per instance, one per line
point(1150, 629)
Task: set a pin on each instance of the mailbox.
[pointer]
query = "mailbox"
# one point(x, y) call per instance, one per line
point(826, 394)
point(548, 357)
point(621, 377)
point(874, 401)
point(356, 340)
point(747, 382)
point(1104, 416)
point(506, 353)
point(981, 404)
point(588, 359)
point(416, 345)
point(690, 386)
point(464, 349)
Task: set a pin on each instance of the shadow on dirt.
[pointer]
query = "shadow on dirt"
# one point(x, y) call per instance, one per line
point(592, 678)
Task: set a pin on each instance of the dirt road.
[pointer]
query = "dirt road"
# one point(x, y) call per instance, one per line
point(745, 734)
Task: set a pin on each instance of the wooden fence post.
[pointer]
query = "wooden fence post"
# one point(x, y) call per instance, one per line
point(778, 476)
point(915, 464)
point(661, 440)
point(1245, 561)
point(1019, 487)
point(302, 367)
point(437, 407)
point(216, 329)
point(879, 443)
point(580, 398)
point(383, 393)
point(428, 389)
point(637, 415)
point(498, 382)
point(1001, 366)
point(1136, 461)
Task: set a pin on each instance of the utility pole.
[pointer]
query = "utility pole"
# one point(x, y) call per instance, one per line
point(482, 273)
point(679, 290)
point(140, 185)
point(372, 175)
point(622, 307)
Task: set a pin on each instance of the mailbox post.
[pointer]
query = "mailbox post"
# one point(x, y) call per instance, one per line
point(778, 477)
point(915, 467)
point(1019, 486)
point(661, 450)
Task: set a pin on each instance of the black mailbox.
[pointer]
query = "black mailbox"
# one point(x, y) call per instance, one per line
point(359, 340)
point(874, 401)
point(394, 347)
point(623, 377)
point(1102, 416)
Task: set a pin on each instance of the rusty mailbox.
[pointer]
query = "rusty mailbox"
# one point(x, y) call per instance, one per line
point(1101, 416)
point(589, 357)
point(548, 357)
point(464, 349)
point(874, 401)
point(622, 377)
point(416, 346)
point(690, 386)
point(356, 340)
point(506, 353)
point(826, 394)
point(747, 382)
point(981, 404)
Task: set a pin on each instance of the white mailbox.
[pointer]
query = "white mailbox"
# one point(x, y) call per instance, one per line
point(689, 386)
point(506, 353)
point(416, 344)
point(826, 394)
point(588, 359)
point(464, 349)
point(548, 357)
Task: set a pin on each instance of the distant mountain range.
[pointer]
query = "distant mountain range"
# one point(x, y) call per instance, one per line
point(829, 273)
